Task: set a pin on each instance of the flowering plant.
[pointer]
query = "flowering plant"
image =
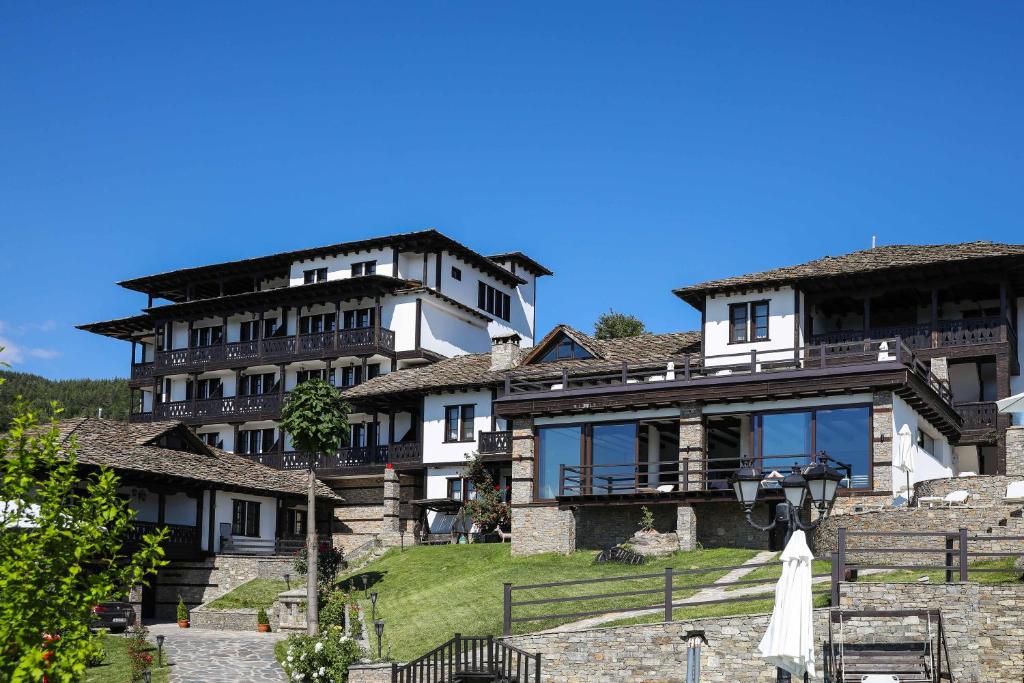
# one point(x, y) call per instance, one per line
point(325, 657)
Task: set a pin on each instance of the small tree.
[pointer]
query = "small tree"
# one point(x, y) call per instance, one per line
point(62, 551)
point(612, 325)
point(317, 418)
point(488, 509)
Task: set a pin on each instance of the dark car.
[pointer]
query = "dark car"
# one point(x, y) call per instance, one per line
point(116, 616)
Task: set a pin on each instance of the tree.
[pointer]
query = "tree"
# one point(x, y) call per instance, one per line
point(62, 550)
point(317, 418)
point(612, 325)
point(488, 509)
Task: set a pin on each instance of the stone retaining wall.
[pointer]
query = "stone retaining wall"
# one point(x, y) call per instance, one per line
point(223, 619)
point(986, 490)
point(369, 673)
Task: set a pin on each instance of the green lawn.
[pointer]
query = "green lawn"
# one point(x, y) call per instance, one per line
point(253, 594)
point(116, 669)
point(428, 593)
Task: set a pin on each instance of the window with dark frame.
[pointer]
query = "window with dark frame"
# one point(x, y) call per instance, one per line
point(458, 423)
point(358, 318)
point(211, 387)
point(314, 275)
point(456, 274)
point(207, 336)
point(212, 439)
point(255, 441)
point(494, 301)
point(249, 330)
point(364, 268)
point(257, 385)
point(317, 323)
point(245, 518)
point(321, 374)
point(295, 523)
point(748, 322)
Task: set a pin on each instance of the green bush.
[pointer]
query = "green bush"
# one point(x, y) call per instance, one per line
point(261, 617)
point(182, 610)
point(97, 652)
point(325, 657)
point(138, 651)
point(332, 613)
point(355, 625)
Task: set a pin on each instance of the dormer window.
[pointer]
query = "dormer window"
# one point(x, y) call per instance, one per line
point(748, 322)
point(566, 349)
point(364, 268)
point(314, 275)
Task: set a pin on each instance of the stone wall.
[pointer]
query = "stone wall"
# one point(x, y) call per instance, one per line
point(358, 518)
point(1014, 439)
point(985, 490)
point(542, 529)
point(723, 524)
point(224, 619)
point(204, 580)
point(881, 441)
point(369, 673)
point(603, 527)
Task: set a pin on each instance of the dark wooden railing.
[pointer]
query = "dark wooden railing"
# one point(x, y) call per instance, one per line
point(495, 443)
point(921, 659)
point(466, 658)
point(978, 414)
point(965, 332)
point(182, 540)
point(363, 340)
point(692, 367)
point(359, 456)
point(249, 407)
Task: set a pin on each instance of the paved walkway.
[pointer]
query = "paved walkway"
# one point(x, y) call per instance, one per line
point(203, 656)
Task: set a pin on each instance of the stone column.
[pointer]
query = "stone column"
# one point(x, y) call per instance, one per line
point(691, 446)
point(1015, 451)
point(537, 527)
point(390, 533)
point(882, 440)
point(686, 527)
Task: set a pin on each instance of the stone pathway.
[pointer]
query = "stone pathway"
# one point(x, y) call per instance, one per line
point(202, 655)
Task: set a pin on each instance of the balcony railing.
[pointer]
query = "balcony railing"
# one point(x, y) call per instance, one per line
point(358, 456)
point(966, 332)
point(359, 341)
point(246, 407)
point(182, 540)
point(495, 443)
point(978, 414)
point(692, 367)
point(142, 371)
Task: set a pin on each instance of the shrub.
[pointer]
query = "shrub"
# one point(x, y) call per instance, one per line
point(329, 561)
point(182, 610)
point(97, 652)
point(488, 509)
point(325, 657)
point(646, 519)
point(355, 628)
point(261, 617)
point(138, 651)
point(333, 611)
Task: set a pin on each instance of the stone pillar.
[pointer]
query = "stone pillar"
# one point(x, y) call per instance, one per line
point(537, 527)
point(390, 532)
point(1015, 451)
point(135, 598)
point(882, 441)
point(686, 527)
point(691, 446)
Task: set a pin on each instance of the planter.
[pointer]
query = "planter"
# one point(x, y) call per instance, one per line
point(263, 628)
point(182, 623)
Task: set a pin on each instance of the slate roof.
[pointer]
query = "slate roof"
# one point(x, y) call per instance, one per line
point(129, 447)
point(879, 259)
point(474, 370)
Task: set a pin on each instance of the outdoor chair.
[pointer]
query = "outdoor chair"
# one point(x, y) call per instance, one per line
point(951, 499)
point(963, 475)
point(1014, 493)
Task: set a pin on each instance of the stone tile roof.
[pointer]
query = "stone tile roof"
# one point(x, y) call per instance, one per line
point(474, 370)
point(130, 447)
point(891, 257)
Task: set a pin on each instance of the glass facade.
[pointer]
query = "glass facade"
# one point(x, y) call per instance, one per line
point(613, 454)
point(556, 446)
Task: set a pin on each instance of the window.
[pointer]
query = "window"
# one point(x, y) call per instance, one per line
point(295, 523)
point(352, 376)
point(458, 423)
point(364, 268)
point(456, 274)
point(253, 441)
point(207, 336)
point(212, 439)
point(314, 275)
point(455, 488)
point(306, 375)
point(204, 388)
point(271, 328)
point(565, 349)
point(358, 436)
point(245, 518)
point(494, 301)
point(316, 324)
point(358, 318)
point(556, 446)
point(748, 322)
point(249, 330)
point(255, 385)
point(925, 442)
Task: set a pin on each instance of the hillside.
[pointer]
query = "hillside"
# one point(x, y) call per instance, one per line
point(80, 397)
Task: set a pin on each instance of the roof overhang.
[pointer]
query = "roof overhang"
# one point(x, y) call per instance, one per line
point(128, 329)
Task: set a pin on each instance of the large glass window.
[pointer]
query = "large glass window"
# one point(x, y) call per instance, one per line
point(844, 434)
point(613, 456)
point(785, 439)
point(556, 446)
point(245, 518)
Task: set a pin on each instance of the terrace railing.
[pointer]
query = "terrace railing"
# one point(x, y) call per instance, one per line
point(965, 332)
point(922, 659)
point(978, 414)
point(692, 367)
point(495, 443)
point(358, 456)
point(465, 658)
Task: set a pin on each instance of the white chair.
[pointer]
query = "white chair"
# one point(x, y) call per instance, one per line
point(1014, 492)
point(951, 499)
point(667, 488)
point(967, 474)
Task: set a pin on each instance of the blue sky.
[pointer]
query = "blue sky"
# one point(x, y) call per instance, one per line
point(631, 147)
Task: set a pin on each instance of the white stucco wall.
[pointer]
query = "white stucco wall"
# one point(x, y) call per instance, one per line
point(926, 466)
point(339, 266)
point(449, 333)
point(781, 313)
point(434, 447)
point(180, 509)
point(225, 510)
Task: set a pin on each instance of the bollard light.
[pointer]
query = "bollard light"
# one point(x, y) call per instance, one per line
point(378, 626)
point(363, 578)
point(373, 601)
point(160, 649)
point(147, 676)
point(288, 580)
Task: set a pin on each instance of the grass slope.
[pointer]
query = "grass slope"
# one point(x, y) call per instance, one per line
point(252, 594)
point(429, 593)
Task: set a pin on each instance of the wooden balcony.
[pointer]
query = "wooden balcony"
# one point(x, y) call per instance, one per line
point(354, 342)
point(945, 334)
point(362, 458)
point(495, 443)
point(257, 407)
point(182, 542)
point(142, 374)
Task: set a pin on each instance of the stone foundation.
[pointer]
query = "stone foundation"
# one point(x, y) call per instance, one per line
point(598, 528)
point(224, 619)
point(686, 527)
point(881, 441)
point(542, 529)
point(1015, 452)
point(204, 580)
point(369, 673)
point(724, 525)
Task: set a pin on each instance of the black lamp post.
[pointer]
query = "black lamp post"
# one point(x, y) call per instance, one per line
point(373, 601)
point(160, 649)
point(378, 626)
point(147, 676)
point(288, 581)
point(819, 480)
point(362, 578)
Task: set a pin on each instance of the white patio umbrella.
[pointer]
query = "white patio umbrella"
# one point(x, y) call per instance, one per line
point(1012, 404)
point(904, 455)
point(789, 641)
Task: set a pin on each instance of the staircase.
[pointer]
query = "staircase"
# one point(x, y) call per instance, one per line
point(470, 659)
point(243, 545)
point(922, 659)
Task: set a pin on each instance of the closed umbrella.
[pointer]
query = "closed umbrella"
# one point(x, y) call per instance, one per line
point(789, 641)
point(904, 459)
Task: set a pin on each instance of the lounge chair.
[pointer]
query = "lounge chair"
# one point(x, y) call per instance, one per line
point(666, 488)
point(1014, 493)
point(951, 499)
point(967, 474)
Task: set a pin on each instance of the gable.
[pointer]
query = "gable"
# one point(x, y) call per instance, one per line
point(559, 347)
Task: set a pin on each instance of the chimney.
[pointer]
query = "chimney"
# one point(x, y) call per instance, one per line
point(505, 351)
